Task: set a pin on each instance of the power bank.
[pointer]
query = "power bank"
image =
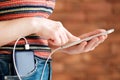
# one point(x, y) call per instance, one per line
point(24, 62)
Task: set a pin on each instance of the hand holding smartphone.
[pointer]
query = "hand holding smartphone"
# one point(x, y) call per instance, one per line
point(87, 39)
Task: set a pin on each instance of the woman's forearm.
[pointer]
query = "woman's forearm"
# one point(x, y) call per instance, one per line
point(51, 30)
point(13, 29)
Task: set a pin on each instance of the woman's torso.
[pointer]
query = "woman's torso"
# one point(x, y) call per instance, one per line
point(13, 9)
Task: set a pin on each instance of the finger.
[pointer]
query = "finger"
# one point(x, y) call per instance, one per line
point(95, 45)
point(71, 37)
point(64, 38)
point(68, 34)
point(62, 33)
point(55, 39)
point(103, 37)
point(90, 46)
point(82, 46)
point(100, 40)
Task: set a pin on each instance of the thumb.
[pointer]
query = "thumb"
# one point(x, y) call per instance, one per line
point(73, 38)
point(70, 36)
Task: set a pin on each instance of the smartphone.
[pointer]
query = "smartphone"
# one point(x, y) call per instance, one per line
point(24, 62)
point(87, 39)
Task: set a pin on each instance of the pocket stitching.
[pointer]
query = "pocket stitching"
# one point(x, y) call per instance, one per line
point(32, 72)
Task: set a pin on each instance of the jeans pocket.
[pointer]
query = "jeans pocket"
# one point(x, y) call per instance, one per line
point(36, 74)
point(4, 69)
point(32, 72)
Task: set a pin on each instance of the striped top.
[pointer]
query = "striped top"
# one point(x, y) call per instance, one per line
point(13, 9)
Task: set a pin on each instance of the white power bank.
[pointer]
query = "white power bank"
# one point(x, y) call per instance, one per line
point(87, 39)
point(24, 62)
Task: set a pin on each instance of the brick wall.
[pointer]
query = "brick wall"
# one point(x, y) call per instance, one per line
point(81, 16)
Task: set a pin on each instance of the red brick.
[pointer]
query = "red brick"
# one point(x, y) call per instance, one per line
point(72, 59)
point(58, 67)
point(102, 51)
point(115, 76)
point(97, 11)
point(113, 1)
point(116, 8)
point(58, 56)
point(103, 77)
point(71, 17)
point(75, 1)
point(97, 69)
point(114, 37)
point(62, 76)
point(113, 23)
point(94, 0)
point(96, 7)
point(59, 5)
point(82, 16)
point(81, 28)
point(115, 48)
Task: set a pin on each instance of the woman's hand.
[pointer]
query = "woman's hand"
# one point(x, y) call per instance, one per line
point(53, 31)
point(86, 46)
point(57, 36)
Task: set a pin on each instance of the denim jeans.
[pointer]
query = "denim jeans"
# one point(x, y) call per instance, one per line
point(7, 71)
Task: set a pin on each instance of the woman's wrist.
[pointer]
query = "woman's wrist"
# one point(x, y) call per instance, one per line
point(13, 29)
point(36, 24)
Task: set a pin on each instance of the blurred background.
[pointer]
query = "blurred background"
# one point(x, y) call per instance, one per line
point(82, 16)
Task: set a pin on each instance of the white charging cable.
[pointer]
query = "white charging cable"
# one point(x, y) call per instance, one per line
point(59, 48)
point(43, 71)
point(27, 47)
point(62, 47)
